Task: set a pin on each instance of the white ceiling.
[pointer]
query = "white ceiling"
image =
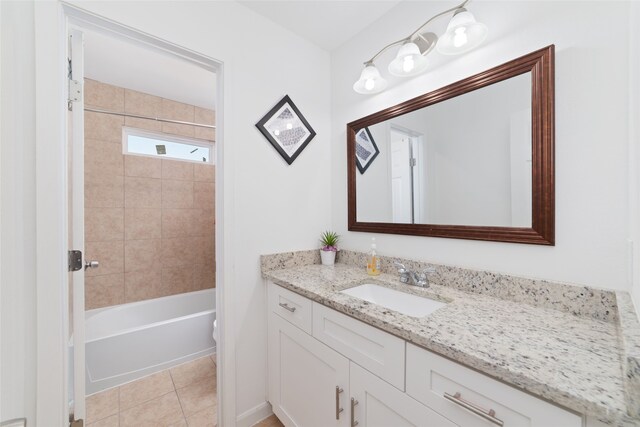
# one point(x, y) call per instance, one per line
point(130, 65)
point(328, 24)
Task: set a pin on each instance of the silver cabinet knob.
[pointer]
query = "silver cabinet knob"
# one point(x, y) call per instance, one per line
point(91, 264)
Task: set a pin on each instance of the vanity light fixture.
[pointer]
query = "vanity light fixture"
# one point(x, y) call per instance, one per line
point(463, 34)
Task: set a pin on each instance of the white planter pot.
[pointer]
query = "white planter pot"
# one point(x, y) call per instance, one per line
point(328, 257)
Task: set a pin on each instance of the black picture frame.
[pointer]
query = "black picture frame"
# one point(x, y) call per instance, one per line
point(365, 155)
point(288, 138)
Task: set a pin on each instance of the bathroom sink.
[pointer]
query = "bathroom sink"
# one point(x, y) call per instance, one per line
point(409, 304)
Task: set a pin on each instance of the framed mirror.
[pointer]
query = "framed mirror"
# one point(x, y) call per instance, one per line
point(472, 160)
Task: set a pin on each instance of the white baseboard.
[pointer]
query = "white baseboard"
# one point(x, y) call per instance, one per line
point(254, 415)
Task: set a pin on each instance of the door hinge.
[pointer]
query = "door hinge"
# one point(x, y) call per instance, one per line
point(75, 260)
point(412, 162)
point(75, 92)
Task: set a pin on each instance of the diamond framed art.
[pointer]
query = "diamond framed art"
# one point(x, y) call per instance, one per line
point(286, 129)
point(366, 149)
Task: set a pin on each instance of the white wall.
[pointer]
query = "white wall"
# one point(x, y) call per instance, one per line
point(591, 131)
point(17, 226)
point(634, 149)
point(275, 207)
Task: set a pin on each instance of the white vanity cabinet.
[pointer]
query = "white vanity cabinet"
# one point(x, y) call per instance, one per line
point(379, 404)
point(320, 359)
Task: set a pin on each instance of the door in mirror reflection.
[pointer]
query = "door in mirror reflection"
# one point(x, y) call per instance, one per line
point(464, 161)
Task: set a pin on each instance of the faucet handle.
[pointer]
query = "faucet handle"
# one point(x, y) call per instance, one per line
point(401, 268)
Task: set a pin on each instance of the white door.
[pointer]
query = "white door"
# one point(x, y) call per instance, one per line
point(308, 381)
point(379, 404)
point(76, 224)
point(401, 178)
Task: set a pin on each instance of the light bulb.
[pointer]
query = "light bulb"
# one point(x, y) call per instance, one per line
point(408, 64)
point(289, 126)
point(409, 61)
point(276, 132)
point(369, 84)
point(460, 37)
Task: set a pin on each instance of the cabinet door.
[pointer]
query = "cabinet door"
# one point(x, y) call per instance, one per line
point(303, 376)
point(379, 404)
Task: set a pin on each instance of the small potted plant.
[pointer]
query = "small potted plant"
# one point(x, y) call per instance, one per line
point(329, 242)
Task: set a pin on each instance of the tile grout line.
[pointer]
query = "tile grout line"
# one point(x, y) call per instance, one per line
point(175, 389)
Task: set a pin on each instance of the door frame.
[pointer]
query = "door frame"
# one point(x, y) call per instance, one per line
point(53, 21)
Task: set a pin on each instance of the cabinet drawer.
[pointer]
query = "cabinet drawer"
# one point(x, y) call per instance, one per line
point(292, 307)
point(430, 378)
point(377, 351)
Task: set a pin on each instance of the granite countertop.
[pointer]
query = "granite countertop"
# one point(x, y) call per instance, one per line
point(573, 361)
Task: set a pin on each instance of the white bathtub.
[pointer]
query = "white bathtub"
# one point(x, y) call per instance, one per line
point(129, 341)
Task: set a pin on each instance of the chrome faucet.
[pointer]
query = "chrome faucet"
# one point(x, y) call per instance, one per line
point(413, 278)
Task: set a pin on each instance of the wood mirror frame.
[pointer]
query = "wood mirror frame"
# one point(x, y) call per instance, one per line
point(542, 232)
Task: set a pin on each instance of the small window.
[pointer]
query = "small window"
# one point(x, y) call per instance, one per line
point(156, 144)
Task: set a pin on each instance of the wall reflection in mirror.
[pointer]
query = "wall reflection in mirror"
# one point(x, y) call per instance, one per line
point(466, 161)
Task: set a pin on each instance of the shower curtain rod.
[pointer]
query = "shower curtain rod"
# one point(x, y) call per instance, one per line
point(179, 122)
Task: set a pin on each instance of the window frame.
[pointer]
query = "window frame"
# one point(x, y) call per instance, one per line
point(161, 136)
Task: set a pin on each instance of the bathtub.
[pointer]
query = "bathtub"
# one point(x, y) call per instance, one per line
point(129, 341)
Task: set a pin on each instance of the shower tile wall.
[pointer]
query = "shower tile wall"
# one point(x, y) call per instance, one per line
point(150, 222)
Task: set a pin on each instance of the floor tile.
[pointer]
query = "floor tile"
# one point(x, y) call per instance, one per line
point(198, 396)
point(147, 388)
point(206, 418)
point(112, 421)
point(102, 405)
point(272, 421)
point(190, 372)
point(162, 411)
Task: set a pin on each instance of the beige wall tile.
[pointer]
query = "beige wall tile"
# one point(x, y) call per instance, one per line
point(174, 169)
point(192, 372)
point(178, 111)
point(145, 389)
point(104, 291)
point(103, 158)
point(142, 224)
point(102, 405)
point(101, 224)
point(204, 172)
point(204, 249)
point(102, 95)
point(178, 223)
point(205, 418)
point(177, 280)
point(110, 254)
point(205, 222)
point(142, 192)
point(142, 104)
point(143, 284)
point(205, 117)
point(162, 411)
point(112, 421)
point(145, 124)
point(104, 127)
point(177, 194)
point(204, 276)
point(103, 191)
point(141, 166)
point(142, 255)
point(204, 195)
point(198, 396)
point(180, 251)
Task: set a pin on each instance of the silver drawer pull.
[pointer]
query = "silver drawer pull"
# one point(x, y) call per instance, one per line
point(489, 415)
point(287, 307)
point(338, 408)
point(354, 402)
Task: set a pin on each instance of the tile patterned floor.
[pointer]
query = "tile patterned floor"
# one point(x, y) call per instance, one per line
point(178, 397)
point(181, 396)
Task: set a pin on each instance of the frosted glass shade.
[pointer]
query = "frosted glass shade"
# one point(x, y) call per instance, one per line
point(409, 61)
point(370, 81)
point(463, 34)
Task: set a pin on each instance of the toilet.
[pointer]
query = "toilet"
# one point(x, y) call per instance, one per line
point(215, 331)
